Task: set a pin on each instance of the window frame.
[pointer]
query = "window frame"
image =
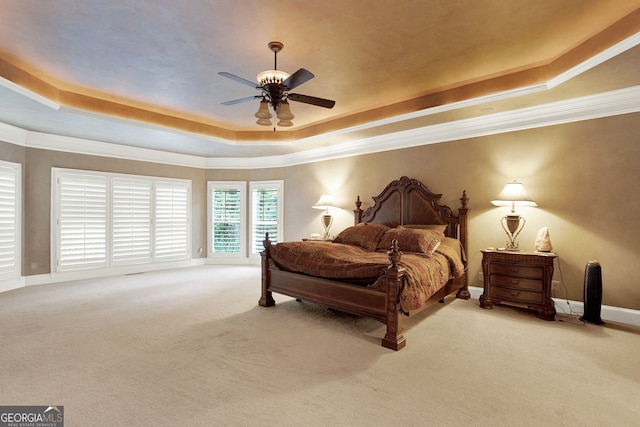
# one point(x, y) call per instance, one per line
point(57, 254)
point(240, 186)
point(14, 174)
point(148, 256)
point(251, 249)
point(254, 247)
point(58, 174)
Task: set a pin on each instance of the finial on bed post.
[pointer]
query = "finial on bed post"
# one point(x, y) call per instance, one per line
point(266, 242)
point(464, 200)
point(357, 212)
point(394, 253)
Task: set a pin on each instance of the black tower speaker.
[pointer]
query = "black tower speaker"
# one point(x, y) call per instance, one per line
point(592, 293)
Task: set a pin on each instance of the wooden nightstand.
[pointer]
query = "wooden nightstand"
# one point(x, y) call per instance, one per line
point(519, 278)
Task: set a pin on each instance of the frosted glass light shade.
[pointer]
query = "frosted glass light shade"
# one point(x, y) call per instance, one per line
point(263, 114)
point(272, 77)
point(285, 115)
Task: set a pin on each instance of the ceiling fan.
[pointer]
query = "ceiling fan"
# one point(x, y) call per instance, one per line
point(274, 86)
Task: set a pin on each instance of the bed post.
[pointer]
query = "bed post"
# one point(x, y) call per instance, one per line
point(267, 299)
point(463, 210)
point(394, 339)
point(357, 212)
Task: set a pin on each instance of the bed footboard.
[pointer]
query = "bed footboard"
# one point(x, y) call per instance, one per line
point(378, 304)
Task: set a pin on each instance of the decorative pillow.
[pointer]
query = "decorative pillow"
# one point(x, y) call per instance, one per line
point(437, 227)
point(412, 240)
point(365, 235)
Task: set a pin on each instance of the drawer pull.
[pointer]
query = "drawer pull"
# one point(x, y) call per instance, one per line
point(514, 269)
point(515, 293)
point(515, 281)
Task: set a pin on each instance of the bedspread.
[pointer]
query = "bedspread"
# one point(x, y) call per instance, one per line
point(425, 274)
point(329, 260)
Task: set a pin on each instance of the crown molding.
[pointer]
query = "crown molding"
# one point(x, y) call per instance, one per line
point(13, 135)
point(88, 147)
point(28, 93)
point(599, 58)
point(621, 101)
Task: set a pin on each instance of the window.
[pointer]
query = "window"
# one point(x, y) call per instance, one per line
point(172, 220)
point(10, 216)
point(131, 219)
point(227, 230)
point(227, 213)
point(266, 212)
point(106, 220)
point(82, 221)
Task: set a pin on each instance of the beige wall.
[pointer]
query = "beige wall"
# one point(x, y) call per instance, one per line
point(582, 175)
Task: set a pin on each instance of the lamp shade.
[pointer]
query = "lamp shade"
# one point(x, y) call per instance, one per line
point(285, 115)
point(263, 113)
point(513, 194)
point(325, 202)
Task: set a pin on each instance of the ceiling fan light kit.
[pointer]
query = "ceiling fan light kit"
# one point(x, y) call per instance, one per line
point(275, 86)
point(271, 77)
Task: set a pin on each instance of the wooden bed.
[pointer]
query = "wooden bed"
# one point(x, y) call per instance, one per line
point(404, 201)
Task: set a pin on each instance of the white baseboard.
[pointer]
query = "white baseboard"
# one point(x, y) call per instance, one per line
point(233, 261)
point(44, 279)
point(576, 308)
point(11, 284)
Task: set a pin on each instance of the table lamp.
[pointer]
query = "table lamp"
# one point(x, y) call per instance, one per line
point(512, 195)
point(325, 203)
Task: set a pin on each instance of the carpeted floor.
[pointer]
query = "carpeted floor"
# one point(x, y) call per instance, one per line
point(191, 347)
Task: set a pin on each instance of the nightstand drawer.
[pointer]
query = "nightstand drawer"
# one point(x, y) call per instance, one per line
point(516, 295)
point(515, 270)
point(516, 283)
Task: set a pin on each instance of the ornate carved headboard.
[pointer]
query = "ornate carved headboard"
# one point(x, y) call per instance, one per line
point(408, 201)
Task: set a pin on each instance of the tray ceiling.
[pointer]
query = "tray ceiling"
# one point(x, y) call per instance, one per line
point(145, 73)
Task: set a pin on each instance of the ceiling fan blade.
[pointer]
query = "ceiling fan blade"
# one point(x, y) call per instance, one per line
point(239, 79)
point(238, 101)
point(297, 78)
point(320, 102)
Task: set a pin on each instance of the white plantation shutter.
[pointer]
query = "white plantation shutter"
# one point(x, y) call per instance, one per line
point(9, 220)
point(172, 221)
point(82, 221)
point(131, 220)
point(227, 218)
point(108, 220)
point(266, 213)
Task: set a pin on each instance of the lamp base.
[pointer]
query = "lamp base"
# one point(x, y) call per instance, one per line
point(512, 225)
point(327, 220)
